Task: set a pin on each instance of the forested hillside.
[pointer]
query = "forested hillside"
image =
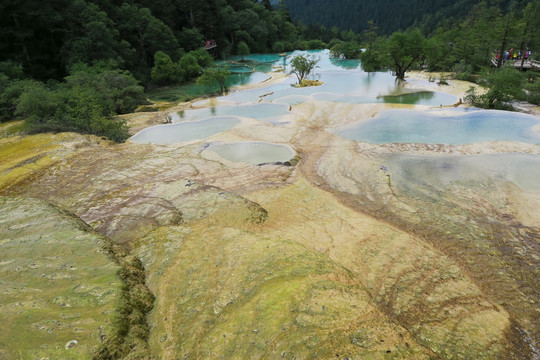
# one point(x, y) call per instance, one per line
point(389, 15)
point(49, 37)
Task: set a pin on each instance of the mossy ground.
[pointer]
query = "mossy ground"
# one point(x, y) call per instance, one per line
point(57, 283)
point(22, 156)
point(229, 292)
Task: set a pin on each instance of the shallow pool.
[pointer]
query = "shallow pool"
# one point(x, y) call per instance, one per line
point(185, 131)
point(253, 152)
point(446, 127)
point(409, 171)
point(263, 111)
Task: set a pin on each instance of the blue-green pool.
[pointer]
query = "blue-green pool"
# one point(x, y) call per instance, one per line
point(447, 127)
point(185, 131)
point(438, 171)
point(253, 152)
point(262, 111)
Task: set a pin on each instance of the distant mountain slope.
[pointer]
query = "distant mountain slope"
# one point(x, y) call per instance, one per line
point(389, 15)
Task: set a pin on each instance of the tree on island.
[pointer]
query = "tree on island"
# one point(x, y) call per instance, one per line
point(214, 75)
point(302, 66)
point(242, 49)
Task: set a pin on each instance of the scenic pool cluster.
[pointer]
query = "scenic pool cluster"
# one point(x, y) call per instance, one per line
point(426, 119)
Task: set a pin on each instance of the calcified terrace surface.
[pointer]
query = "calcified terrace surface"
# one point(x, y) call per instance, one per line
point(348, 250)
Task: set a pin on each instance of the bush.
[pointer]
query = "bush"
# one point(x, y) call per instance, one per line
point(164, 71)
point(10, 92)
point(316, 44)
point(532, 88)
point(188, 67)
point(282, 46)
point(86, 103)
point(202, 57)
point(117, 87)
point(503, 86)
point(347, 50)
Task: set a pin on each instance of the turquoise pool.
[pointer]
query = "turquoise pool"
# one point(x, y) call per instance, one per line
point(185, 131)
point(447, 127)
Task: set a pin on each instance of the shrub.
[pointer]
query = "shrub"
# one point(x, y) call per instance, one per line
point(188, 67)
point(86, 103)
point(316, 44)
point(164, 71)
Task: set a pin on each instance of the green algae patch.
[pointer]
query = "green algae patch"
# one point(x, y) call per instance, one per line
point(11, 128)
point(225, 291)
point(59, 286)
point(22, 156)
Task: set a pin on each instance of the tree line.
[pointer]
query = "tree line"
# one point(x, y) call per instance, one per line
point(389, 15)
point(466, 48)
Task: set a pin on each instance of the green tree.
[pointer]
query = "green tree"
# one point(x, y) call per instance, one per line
point(242, 49)
point(164, 70)
point(370, 33)
point(531, 27)
point(213, 76)
point(347, 50)
point(92, 36)
point(191, 39)
point(146, 34)
point(302, 66)
point(403, 50)
point(188, 67)
point(267, 4)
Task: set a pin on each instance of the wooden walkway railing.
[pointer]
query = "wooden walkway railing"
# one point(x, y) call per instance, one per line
point(210, 44)
point(527, 64)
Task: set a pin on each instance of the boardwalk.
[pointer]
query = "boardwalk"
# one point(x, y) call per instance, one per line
point(210, 44)
point(527, 64)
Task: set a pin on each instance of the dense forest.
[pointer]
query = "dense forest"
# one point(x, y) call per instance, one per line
point(389, 15)
point(48, 38)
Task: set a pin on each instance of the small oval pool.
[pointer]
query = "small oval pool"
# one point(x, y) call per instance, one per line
point(185, 131)
point(253, 152)
point(448, 127)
